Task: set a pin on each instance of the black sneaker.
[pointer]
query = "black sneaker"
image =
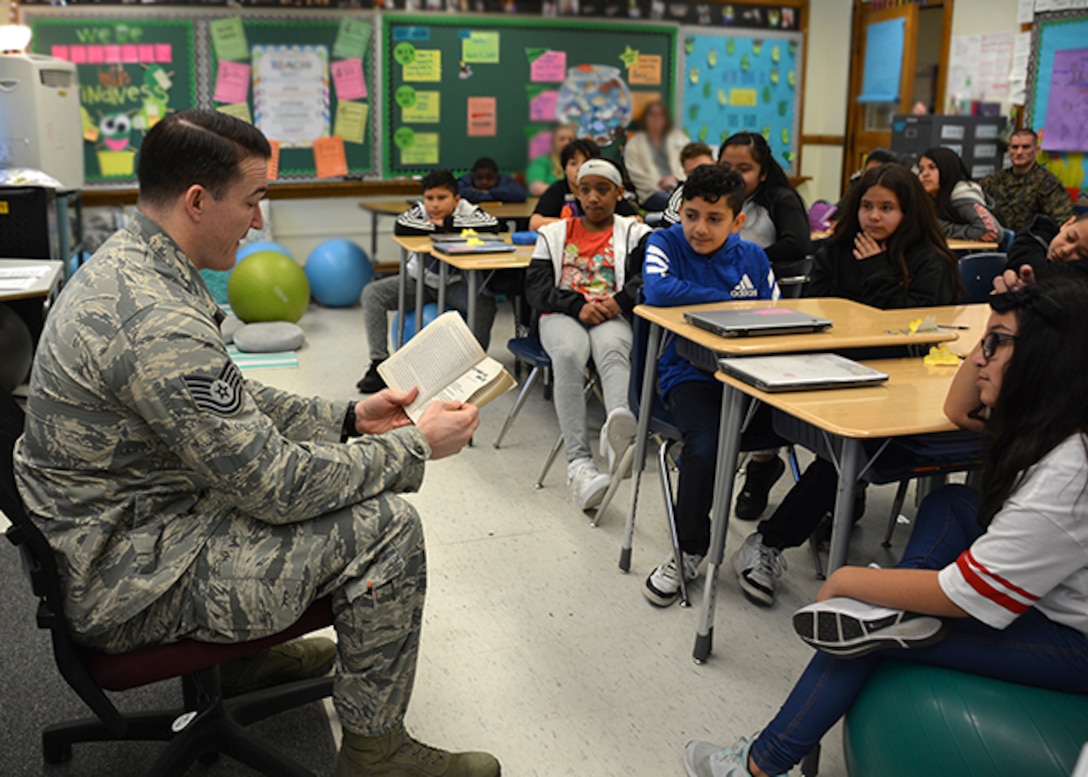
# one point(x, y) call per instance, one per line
point(848, 628)
point(759, 478)
point(372, 382)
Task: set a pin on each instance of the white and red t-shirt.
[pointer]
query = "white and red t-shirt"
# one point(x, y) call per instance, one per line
point(1035, 552)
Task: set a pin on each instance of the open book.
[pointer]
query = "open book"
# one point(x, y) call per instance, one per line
point(447, 363)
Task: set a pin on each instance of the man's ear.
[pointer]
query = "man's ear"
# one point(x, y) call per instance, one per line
point(738, 222)
point(196, 201)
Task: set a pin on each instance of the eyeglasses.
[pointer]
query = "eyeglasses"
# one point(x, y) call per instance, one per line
point(992, 340)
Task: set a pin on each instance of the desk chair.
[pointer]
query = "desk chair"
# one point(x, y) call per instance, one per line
point(207, 724)
point(526, 350)
point(977, 273)
point(794, 277)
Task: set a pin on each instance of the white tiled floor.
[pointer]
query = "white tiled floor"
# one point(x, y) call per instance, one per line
point(535, 646)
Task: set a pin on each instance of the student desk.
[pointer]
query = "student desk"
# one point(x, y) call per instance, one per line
point(855, 326)
point(954, 244)
point(40, 278)
point(395, 206)
point(471, 265)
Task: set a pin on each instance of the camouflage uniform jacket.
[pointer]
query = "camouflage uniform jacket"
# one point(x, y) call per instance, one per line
point(1019, 197)
point(142, 436)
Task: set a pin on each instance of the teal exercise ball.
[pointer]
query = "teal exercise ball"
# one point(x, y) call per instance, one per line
point(16, 349)
point(430, 313)
point(913, 719)
point(338, 270)
point(268, 286)
point(257, 246)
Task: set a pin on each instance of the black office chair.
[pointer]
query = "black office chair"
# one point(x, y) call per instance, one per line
point(977, 273)
point(206, 724)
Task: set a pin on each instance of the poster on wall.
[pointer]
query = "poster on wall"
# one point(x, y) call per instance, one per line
point(734, 81)
point(291, 93)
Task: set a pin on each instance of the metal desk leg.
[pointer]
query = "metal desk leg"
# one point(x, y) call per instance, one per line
point(734, 404)
point(473, 284)
point(843, 520)
point(443, 271)
point(374, 237)
point(402, 293)
point(645, 410)
point(420, 285)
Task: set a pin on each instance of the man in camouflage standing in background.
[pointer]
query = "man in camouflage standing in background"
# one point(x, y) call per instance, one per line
point(183, 500)
point(1026, 189)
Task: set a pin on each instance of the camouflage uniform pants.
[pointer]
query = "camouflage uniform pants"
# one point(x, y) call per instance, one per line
point(253, 579)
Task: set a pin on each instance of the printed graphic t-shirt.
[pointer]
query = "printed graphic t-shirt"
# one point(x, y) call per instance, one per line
point(588, 264)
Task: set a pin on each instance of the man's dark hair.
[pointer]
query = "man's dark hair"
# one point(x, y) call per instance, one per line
point(584, 146)
point(440, 179)
point(485, 163)
point(883, 156)
point(1026, 131)
point(694, 149)
point(196, 146)
point(712, 183)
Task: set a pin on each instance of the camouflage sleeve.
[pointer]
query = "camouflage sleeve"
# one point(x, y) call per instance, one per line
point(299, 418)
point(1055, 201)
point(171, 368)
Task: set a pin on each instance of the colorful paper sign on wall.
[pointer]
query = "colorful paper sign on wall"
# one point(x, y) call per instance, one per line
point(274, 161)
point(482, 118)
point(426, 65)
point(1067, 103)
point(546, 65)
point(480, 47)
point(291, 93)
point(352, 39)
point(426, 108)
point(351, 121)
point(237, 110)
point(330, 160)
point(540, 141)
point(422, 151)
point(231, 82)
point(542, 103)
point(229, 38)
point(347, 76)
point(883, 61)
point(646, 71)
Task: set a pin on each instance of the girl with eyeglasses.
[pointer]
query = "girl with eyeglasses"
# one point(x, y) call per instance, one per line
point(993, 582)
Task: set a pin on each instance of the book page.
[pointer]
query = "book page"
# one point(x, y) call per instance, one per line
point(478, 385)
point(433, 359)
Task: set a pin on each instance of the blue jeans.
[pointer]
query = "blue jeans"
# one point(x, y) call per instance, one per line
point(1033, 650)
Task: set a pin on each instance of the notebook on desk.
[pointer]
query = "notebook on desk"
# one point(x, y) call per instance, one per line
point(757, 321)
point(463, 248)
point(800, 372)
point(457, 237)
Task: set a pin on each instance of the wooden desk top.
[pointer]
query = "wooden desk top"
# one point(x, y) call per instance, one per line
point(498, 261)
point(910, 402)
point(974, 317)
point(855, 326)
point(500, 210)
point(954, 244)
point(41, 287)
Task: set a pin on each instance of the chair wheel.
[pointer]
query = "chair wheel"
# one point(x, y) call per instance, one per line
point(60, 753)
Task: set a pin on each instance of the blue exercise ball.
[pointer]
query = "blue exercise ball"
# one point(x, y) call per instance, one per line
point(338, 270)
point(257, 247)
point(430, 313)
point(913, 719)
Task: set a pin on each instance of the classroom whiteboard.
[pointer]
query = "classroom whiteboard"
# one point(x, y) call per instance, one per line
point(736, 80)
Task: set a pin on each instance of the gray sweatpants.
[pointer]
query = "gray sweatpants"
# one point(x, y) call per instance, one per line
point(570, 343)
point(380, 297)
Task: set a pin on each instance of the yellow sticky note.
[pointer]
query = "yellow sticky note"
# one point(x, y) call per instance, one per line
point(940, 355)
point(745, 98)
point(474, 241)
point(424, 151)
point(427, 109)
point(90, 130)
point(480, 47)
point(426, 66)
point(351, 121)
point(237, 110)
point(468, 233)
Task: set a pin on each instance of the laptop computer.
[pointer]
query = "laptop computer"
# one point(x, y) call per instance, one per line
point(462, 248)
point(757, 321)
point(457, 237)
point(801, 372)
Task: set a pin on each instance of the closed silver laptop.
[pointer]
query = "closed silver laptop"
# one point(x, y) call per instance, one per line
point(757, 321)
point(801, 372)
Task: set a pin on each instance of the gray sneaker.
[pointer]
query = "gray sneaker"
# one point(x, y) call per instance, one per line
point(757, 568)
point(587, 484)
point(847, 627)
point(663, 584)
point(704, 759)
point(617, 434)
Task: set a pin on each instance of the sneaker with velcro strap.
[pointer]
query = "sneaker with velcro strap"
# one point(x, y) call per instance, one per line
point(848, 628)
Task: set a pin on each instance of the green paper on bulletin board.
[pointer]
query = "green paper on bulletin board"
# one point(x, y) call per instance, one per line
point(351, 39)
point(229, 38)
point(424, 151)
point(425, 109)
point(480, 47)
point(238, 111)
point(351, 121)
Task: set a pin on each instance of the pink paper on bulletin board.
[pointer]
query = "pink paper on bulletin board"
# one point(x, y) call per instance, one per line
point(482, 118)
point(1067, 104)
point(550, 66)
point(232, 82)
point(542, 107)
point(347, 75)
point(540, 144)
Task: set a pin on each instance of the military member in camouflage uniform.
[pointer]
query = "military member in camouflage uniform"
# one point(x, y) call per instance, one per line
point(1026, 189)
point(184, 500)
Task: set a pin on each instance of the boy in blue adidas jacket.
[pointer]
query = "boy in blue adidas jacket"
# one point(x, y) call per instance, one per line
point(701, 259)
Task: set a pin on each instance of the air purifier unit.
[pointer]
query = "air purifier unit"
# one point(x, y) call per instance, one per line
point(40, 123)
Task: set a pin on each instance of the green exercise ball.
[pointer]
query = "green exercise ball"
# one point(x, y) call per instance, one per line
point(268, 286)
point(912, 719)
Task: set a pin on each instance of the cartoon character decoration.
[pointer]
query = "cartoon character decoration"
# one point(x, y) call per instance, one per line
point(115, 131)
point(595, 99)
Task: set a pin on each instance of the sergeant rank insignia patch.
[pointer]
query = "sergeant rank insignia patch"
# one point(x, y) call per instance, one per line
point(221, 395)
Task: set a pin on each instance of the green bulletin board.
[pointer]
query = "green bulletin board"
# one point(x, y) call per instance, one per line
point(131, 72)
point(461, 87)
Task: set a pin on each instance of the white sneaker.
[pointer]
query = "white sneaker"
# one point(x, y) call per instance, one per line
point(587, 484)
point(617, 434)
point(757, 568)
point(847, 627)
point(703, 759)
point(662, 587)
